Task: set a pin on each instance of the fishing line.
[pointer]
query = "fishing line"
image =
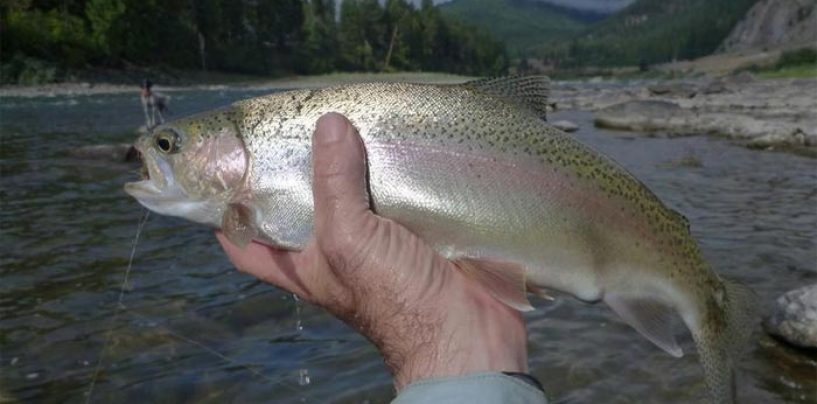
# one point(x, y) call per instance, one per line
point(119, 307)
point(202, 346)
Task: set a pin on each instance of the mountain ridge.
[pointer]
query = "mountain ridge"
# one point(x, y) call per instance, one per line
point(643, 32)
point(524, 25)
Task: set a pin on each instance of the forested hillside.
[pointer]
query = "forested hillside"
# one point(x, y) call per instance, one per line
point(524, 25)
point(653, 31)
point(646, 31)
point(244, 36)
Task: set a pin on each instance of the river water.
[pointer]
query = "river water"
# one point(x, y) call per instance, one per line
point(193, 329)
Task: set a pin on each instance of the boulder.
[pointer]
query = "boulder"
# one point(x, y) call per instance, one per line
point(741, 78)
point(566, 126)
point(795, 138)
point(642, 116)
point(716, 86)
point(669, 89)
point(794, 317)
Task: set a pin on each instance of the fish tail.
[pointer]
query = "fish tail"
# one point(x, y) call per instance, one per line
point(724, 332)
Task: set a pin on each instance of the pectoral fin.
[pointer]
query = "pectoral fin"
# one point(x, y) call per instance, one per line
point(650, 318)
point(541, 292)
point(504, 280)
point(238, 224)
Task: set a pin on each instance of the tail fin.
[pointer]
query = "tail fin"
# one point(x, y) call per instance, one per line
point(724, 332)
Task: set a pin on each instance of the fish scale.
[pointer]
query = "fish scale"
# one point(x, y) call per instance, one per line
point(474, 171)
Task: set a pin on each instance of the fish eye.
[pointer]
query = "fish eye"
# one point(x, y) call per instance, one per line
point(167, 141)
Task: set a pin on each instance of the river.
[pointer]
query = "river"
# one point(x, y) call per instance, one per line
point(192, 329)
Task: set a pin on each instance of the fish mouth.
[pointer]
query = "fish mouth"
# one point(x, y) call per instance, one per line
point(158, 191)
point(155, 177)
point(144, 173)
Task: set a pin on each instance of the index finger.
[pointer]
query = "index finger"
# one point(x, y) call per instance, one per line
point(269, 264)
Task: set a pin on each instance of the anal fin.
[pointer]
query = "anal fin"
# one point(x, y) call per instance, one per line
point(650, 318)
point(238, 224)
point(504, 280)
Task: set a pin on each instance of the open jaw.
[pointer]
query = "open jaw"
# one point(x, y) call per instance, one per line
point(157, 187)
point(161, 193)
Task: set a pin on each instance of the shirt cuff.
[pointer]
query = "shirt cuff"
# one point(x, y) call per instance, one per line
point(478, 388)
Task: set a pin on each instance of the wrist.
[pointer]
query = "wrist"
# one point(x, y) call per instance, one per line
point(478, 334)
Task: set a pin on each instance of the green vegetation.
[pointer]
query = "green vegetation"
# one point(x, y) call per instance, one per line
point(655, 31)
point(644, 33)
point(799, 58)
point(525, 26)
point(44, 39)
point(795, 63)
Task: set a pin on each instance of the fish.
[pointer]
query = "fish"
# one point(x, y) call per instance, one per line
point(473, 169)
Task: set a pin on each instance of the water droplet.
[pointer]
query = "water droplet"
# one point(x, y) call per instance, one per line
point(14, 361)
point(298, 306)
point(303, 377)
point(32, 376)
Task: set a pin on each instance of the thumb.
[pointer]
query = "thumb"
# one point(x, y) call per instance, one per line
point(339, 178)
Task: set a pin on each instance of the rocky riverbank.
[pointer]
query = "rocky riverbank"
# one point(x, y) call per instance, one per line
point(766, 114)
point(239, 83)
point(778, 114)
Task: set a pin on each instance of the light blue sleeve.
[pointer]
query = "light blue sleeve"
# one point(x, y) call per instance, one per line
point(478, 388)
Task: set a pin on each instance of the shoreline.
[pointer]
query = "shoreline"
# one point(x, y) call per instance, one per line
point(260, 84)
point(771, 113)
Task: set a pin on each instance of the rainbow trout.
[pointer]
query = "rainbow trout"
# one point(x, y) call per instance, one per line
point(516, 204)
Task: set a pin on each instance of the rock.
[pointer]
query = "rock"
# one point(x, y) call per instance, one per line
point(741, 78)
point(714, 87)
point(123, 152)
point(642, 116)
point(566, 126)
point(682, 90)
point(773, 24)
point(779, 114)
point(795, 138)
point(794, 317)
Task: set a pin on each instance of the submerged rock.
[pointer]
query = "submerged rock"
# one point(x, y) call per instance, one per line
point(123, 152)
point(566, 126)
point(794, 317)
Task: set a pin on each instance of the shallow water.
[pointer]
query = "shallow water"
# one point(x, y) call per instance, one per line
point(67, 228)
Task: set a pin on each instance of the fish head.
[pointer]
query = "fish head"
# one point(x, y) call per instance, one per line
point(192, 167)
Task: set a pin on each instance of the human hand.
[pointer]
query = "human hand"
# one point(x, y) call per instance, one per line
point(425, 317)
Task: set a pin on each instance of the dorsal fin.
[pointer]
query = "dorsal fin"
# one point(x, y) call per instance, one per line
point(528, 91)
